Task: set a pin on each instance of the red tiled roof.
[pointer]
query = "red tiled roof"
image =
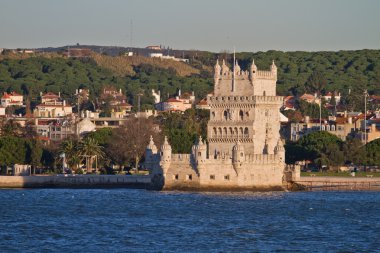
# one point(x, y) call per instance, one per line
point(307, 96)
point(203, 102)
point(44, 105)
point(5, 96)
point(171, 100)
point(13, 93)
point(289, 98)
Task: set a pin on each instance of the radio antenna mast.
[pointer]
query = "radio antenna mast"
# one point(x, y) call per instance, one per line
point(131, 34)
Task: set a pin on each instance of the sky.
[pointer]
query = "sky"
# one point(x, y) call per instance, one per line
point(212, 25)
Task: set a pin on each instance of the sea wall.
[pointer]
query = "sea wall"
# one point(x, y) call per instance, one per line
point(335, 184)
point(75, 181)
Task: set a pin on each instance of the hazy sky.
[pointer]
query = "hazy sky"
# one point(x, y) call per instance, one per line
point(213, 25)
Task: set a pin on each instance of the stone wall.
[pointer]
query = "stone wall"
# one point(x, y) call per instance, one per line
point(75, 181)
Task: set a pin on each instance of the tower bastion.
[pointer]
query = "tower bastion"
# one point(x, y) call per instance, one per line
point(243, 151)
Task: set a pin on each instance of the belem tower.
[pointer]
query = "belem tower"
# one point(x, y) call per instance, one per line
point(244, 149)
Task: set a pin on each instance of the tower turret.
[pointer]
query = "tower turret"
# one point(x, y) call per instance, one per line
point(166, 155)
point(280, 150)
point(273, 69)
point(237, 68)
point(199, 151)
point(225, 68)
point(217, 70)
point(150, 150)
point(253, 70)
point(238, 156)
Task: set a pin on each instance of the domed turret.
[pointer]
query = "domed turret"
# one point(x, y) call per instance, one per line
point(166, 150)
point(217, 68)
point(280, 150)
point(166, 155)
point(238, 156)
point(273, 68)
point(199, 150)
point(237, 68)
point(253, 70)
point(225, 69)
point(151, 145)
point(150, 150)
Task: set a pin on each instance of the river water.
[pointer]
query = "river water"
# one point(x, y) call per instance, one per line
point(125, 220)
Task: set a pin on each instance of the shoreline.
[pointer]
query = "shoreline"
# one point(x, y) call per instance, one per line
point(146, 182)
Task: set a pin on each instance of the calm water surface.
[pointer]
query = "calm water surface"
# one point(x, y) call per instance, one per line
point(124, 220)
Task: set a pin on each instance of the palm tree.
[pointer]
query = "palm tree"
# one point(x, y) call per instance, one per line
point(90, 149)
point(70, 148)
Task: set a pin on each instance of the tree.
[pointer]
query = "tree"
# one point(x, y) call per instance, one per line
point(89, 149)
point(354, 151)
point(293, 116)
point(183, 129)
point(128, 142)
point(16, 150)
point(316, 82)
point(372, 150)
point(69, 148)
point(321, 147)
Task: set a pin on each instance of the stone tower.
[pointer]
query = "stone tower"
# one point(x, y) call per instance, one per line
point(244, 110)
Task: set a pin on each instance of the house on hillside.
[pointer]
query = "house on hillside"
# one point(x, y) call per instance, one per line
point(342, 127)
point(50, 97)
point(334, 94)
point(180, 103)
point(312, 99)
point(202, 104)
point(12, 99)
point(289, 103)
point(52, 106)
point(116, 100)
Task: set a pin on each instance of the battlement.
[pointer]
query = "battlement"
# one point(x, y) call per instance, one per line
point(180, 157)
point(261, 159)
point(245, 99)
point(268, 99)
point(263, 74)
point(229, 75)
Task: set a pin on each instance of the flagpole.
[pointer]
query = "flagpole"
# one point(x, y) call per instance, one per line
point(233, 75)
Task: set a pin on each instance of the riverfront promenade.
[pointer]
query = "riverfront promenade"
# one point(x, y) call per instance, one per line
point(336, 184)
point(76, 181)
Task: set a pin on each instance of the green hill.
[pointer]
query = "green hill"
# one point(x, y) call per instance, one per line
point(343, 70)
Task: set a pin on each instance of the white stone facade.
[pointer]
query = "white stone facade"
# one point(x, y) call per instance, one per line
point(245, 150)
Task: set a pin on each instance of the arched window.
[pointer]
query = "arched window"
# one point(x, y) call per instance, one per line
point(213, 114)
point(236, 133)
point(246, 132)
point(231, 132)
point(220, 132)
point(215, 133)
point(328, 127)
point(241, 115)
point(225, 132)
point(241, 132)
point(264, 93)
point(225, 114)
point(332, 127)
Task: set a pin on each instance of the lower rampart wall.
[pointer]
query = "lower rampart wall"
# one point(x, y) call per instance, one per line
point(75, 181)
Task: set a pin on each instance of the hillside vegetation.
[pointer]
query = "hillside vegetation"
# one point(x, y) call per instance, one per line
point(30, 74)
point(123, 65)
